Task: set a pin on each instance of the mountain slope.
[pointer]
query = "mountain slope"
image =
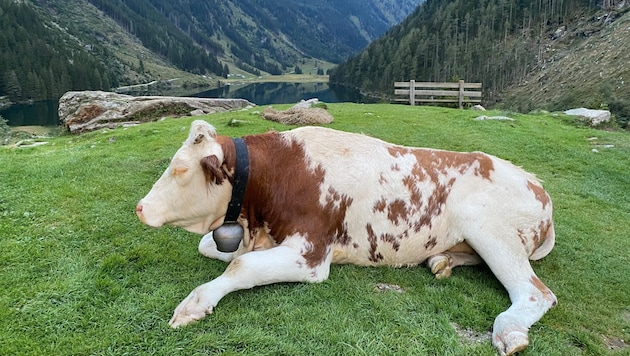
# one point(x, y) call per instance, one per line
point(265, 35)
point(39, 60)
point(503, 44)
point(586, 64)
point(136, 41)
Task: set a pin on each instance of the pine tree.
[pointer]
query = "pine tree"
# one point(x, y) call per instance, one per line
point(12, 87)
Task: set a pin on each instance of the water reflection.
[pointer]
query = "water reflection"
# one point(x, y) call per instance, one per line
point(286, 93)
point(40, 113)
point(45, 113)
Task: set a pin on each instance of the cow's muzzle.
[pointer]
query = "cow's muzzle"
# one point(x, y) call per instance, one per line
point(141, 213)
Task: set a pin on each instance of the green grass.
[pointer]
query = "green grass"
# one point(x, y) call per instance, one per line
point(81, 275)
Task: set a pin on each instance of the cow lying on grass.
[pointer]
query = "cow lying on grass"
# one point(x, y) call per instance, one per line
point(316, 196)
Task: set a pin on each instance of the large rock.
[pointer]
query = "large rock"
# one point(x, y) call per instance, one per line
point(299, 116)
point(82, 111)
point(593, 117)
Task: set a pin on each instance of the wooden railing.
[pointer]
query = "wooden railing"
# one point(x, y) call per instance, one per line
point(429, 92)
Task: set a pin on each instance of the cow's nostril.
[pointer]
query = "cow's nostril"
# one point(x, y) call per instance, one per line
point(138, 208)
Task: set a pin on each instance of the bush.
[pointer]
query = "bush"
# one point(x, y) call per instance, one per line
point(5, 131)
point(621, 109)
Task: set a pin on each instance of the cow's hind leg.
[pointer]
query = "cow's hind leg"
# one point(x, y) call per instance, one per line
point(279, 264)
point(530, 298)
point(441, 265)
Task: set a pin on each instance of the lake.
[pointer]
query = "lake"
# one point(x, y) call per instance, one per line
point(45, 113)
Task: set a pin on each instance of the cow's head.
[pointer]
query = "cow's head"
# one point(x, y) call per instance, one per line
point(194, 191)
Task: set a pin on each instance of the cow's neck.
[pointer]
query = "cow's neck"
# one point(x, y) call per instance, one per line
point(240, 179)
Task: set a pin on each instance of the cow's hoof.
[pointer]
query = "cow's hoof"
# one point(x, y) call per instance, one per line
point(188, 311)
point(511, 343)
point(440, 266)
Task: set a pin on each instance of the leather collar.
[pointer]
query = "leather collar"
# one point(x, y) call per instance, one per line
point(241, 176)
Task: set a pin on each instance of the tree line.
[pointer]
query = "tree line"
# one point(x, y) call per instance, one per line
point(37, 63)
point(144, 21)
point(496, 42)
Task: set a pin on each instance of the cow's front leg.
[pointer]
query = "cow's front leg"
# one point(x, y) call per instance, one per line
point(283, 263)
point(208, 248)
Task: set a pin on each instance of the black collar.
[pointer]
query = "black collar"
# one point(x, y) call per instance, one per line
point(241, 175)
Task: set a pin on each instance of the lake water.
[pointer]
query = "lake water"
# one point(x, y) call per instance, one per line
point(45, 113)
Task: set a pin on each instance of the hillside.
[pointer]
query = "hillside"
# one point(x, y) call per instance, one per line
point(528, 54)
point(586, 64)
point(136, 41)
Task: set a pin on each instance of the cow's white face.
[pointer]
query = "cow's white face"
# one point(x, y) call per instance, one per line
point(194, 190)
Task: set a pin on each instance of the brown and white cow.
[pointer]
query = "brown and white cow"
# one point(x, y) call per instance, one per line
point(317, 196)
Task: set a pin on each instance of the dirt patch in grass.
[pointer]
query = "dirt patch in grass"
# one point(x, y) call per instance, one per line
point(471, 336)
point(385, 287)
point(614, 343)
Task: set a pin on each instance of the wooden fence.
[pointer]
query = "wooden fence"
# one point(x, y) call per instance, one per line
point(429, 92)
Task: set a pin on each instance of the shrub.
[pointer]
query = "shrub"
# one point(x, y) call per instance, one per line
point(621, 109)
point(5, 131)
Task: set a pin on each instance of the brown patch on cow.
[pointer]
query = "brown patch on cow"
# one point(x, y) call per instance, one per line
point(539, 234)
point(522, 236)
point(391, 239)
point(334, 199)
point(372, 239)
point(540, 193)
point(486, 166)
point(261, 238)
point(382, 180)
point(284, 191)
point(397, 151)
point(430, 243)
point(435, 206)
point(410, 182)
point(380, 206)
point(437, 161)
point(397, 211)
point(546, 292)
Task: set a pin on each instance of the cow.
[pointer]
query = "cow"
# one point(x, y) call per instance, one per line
point(316, 196)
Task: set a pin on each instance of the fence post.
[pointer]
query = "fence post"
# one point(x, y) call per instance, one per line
point(461, 94)
point(412, 92)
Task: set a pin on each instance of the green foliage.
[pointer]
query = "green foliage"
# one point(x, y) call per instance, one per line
point(496, 42)
point(145, 21)
point(37, 62)
point(621, 109)
point(5, 131)
point(82, 276)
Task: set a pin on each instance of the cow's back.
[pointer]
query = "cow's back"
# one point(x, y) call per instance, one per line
point(406, 204)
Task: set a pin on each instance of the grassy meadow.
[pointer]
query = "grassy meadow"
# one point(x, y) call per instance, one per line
point(80, 275)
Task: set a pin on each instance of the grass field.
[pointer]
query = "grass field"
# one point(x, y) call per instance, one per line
point(80, 275)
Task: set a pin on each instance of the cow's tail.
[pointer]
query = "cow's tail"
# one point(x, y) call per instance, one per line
point(546, 246)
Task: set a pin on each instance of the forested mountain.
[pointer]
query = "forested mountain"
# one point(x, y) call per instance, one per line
point(37, 61)
point(501, 43)
point(51, 46)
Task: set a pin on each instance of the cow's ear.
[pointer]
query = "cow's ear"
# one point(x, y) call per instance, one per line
point(213, 170)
